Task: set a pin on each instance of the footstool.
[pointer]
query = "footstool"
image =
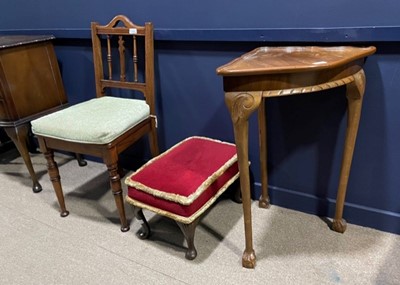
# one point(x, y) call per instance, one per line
point(182, 183)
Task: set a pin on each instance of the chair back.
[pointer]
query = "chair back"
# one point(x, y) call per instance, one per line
point(123, 55)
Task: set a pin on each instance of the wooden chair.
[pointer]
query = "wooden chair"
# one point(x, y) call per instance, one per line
point(107, 125)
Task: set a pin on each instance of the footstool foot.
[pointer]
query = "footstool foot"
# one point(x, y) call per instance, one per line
point(36, 188)
point(191, 253)
point(188, 231)
point(144, 232)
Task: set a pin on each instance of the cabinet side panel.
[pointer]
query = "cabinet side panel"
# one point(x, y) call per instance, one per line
point(33, 78)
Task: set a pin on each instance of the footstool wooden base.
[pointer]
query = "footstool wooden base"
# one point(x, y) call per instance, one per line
point(182, 183)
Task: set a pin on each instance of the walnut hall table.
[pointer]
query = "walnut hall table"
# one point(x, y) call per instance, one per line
point(281, 71)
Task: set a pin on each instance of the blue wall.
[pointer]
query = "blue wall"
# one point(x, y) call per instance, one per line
point(305, 133)
point(183, 14)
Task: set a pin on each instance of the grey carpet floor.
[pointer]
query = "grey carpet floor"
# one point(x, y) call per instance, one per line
point(37, 246)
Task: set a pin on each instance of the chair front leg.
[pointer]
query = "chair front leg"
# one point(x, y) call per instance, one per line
point(115, 182)
point(54, 174)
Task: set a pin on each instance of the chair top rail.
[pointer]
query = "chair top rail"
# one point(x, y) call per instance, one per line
point(129, 27)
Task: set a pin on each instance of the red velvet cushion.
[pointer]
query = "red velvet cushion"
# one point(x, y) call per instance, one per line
point(186, 177)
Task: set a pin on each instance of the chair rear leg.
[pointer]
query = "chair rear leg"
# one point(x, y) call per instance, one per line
point(54, 174)
point(115, 182)
point(145, 231)
point(188, 231)
point(153, 138)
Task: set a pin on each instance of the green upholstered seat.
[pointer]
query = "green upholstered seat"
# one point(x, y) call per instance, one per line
point(97, 121)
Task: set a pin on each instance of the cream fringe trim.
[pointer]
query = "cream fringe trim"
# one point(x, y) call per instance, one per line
point(183, 200)
point(178, 218)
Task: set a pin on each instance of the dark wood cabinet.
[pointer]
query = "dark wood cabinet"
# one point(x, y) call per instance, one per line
point(30, 87)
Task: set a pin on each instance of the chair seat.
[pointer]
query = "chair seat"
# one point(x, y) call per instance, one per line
point(184, 181)
point(97, 121)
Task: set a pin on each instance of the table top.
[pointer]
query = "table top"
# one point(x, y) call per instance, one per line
point(17, 40)
point(272, 60)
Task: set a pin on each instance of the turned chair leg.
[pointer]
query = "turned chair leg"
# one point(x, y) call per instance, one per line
point(145, 231)
point(116, 187)
point(54, 174)
point(188, 231)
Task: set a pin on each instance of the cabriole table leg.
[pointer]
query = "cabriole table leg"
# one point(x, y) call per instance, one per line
point(354, 94)
point(240, 106)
